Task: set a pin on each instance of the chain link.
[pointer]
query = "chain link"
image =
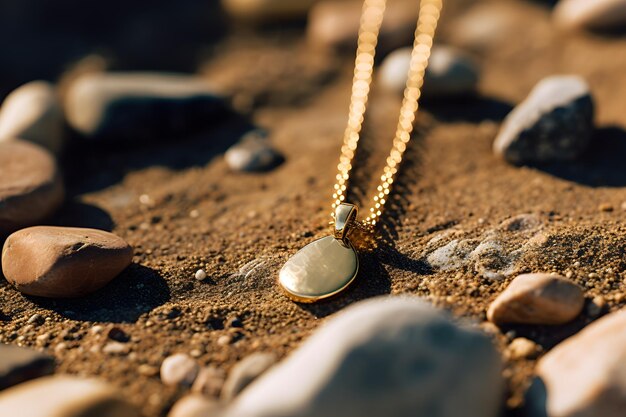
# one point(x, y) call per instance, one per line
point(371, 20)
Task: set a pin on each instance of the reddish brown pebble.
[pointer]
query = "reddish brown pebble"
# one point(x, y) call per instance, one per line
point(63, 261)
point(30, 185)
point(537, 299)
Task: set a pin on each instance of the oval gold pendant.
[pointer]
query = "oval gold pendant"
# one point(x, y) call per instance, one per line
point(319, 270)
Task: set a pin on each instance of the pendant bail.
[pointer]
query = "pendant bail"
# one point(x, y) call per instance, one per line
point(345, 215)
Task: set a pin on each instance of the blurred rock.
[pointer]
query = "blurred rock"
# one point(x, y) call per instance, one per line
point(253, 153)
point(194, 405)
point(19, 364)
point(30, 185)
point(385, 357)
point(484, 25)
point(584, 375)
point(267, 10)
point(596, 14)
point(246, 371)
point(132, 107)
point(537, 299)
point(522, 348)
point(33, 113)
point(179, 369)
point(209, 381)
point(335, 25)
point(156, 34)
point(449, 73)
point(49, 261)
point(555, 122)
point(64, 396)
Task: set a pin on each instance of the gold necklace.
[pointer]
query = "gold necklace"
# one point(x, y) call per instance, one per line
point(328, 265)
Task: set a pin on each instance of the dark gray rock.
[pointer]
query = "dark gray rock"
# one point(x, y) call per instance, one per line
point(384, 357)
point(141, 106)
point(555, 122)
point(18, 364)
point(253, 153)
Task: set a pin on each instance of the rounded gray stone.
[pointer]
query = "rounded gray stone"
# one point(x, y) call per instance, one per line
point(385, 357)
point(555, 122)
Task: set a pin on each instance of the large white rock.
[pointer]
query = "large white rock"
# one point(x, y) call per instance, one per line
point(385, 357)
point(64, 396)
point(596, 14)
point(33, 112)
point(584, 376)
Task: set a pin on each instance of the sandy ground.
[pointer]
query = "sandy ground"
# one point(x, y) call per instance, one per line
point(241, 228)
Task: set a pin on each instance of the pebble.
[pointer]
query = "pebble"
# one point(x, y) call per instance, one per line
point(449, 73)
point(209, 382)
point(596, 14)
point(35, 319)
point(555, 122)
point(596, 306)
point(66, 396)
point(335, 25)
point(19, 364)
point(147, 370)
point(265, 11)
point(224, 340)
point(194, 405)
point(522, 348)
point(116, 348)
point(484, 25)
point(179, 369)
point(30, 185)
point(537, 299)
point(387, 356)
point(49, 261)
point(246, 371)
point(130, 107)
point(200, 274)
point(253, 153)
point(119, 335)
point(583, 376)
point(34, 113)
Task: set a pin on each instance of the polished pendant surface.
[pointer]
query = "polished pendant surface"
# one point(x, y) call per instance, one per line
point(319, 270)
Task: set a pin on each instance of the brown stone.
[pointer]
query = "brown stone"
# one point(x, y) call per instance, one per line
point(64, 396)
point(584, 375)
point(335, 24)
point(63, 261)
point(30, 185)
point(537, 299)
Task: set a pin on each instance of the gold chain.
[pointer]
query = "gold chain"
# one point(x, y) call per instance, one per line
point(371, 19)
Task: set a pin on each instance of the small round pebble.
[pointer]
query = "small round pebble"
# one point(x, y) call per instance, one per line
point(194, 405)
point(179, 369)
point(522, 348)
point(200, 274)
point(537, 299)
point(253, 153)
point(449, 73)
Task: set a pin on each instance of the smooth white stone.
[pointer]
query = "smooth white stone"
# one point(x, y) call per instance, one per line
point(320, 269)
